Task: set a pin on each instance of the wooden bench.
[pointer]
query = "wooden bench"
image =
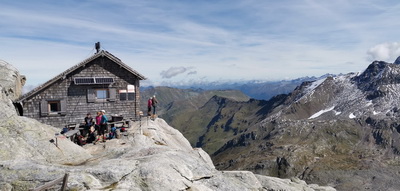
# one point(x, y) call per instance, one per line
point(71, 134)
point(117, 124)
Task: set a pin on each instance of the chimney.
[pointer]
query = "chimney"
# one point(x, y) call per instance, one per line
point(97, 46)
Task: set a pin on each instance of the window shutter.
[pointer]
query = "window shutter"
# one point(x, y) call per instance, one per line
point(44, 109)
point(63, 105)
point(113, 94)
point(91, 95)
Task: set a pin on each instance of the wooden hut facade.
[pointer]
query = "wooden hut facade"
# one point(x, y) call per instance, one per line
point(101, 82)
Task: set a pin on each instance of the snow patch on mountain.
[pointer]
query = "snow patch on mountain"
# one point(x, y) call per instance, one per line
point(314, 85)
point(321, 112)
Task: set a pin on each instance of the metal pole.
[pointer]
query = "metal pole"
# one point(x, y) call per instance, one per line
point(56, 135)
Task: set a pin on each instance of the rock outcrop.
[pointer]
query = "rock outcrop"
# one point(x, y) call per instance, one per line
point(154, 156)
point(11, 81)
point(150, 156)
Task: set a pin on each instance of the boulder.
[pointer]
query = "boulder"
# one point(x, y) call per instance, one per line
point(150, 156)
point(11, 81)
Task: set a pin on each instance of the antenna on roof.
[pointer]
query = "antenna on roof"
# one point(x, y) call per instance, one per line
point(97, 46)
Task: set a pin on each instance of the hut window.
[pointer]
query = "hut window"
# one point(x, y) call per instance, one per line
point(131, 96)
point(128, 94)
point(97, 95)
point(101, 94)
point(122, 95)
point(53, 107)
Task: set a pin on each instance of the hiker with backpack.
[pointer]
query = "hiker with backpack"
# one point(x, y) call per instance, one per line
point(154, 102)
point(149, 105)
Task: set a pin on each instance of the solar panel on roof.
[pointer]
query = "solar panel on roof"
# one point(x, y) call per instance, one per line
point(93, 80)
point(79, 81)
point(103, 80)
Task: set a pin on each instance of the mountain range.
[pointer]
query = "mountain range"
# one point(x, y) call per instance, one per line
point(340, 131)
point(257, 89)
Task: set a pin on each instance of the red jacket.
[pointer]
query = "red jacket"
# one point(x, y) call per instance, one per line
point(149, 103)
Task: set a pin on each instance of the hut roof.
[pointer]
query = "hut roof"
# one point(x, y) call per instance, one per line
point(102, 53)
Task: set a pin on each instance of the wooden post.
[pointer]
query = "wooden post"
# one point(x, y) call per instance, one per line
point(50, 184)
point(65, 180)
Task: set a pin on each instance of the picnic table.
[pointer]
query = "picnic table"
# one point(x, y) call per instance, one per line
point(71, 134)
point(74, 128)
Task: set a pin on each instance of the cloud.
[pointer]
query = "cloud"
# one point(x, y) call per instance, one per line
point(174, 71)
point(192, 73)
point(28, 88)
point(240, 39)
point(385, 52)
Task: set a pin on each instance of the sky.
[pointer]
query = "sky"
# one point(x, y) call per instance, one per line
point(191, 41)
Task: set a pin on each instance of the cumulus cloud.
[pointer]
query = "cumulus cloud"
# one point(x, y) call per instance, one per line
point(385, 52)
point(174, 71)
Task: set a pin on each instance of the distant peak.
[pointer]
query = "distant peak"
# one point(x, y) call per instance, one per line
point(397, 61)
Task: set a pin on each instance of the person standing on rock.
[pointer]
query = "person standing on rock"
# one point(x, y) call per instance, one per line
point(98, 124)
point(154, 104)
point(103, 125)
point(149, 104)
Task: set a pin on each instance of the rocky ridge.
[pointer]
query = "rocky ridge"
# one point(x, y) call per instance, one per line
point(152, 156)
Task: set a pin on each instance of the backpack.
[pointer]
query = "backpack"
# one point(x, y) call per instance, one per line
point(64, 130)
point(91, 138)
point(80, 140)
point(112, 133)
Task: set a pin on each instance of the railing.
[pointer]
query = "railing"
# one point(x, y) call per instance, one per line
point(50, 184)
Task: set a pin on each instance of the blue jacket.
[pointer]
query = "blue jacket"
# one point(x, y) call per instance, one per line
point(103, 119)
